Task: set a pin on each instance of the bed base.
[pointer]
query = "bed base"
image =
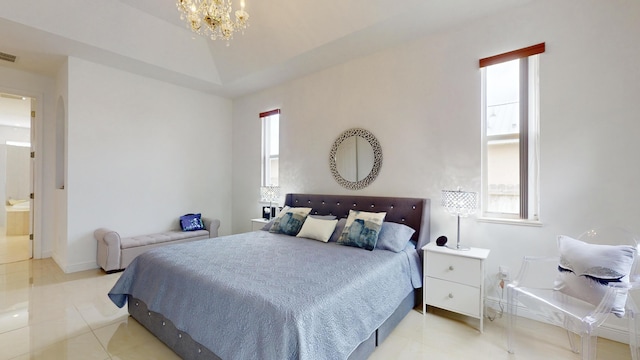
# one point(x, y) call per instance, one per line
point(187, 348)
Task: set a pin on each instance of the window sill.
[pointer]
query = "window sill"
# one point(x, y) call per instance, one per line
point(519, 222)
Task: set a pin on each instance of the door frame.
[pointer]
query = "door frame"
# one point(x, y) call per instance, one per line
point(37, 134)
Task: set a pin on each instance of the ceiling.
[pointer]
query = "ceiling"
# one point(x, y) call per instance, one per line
point(286, 39)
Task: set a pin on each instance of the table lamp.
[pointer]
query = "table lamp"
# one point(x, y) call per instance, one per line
point(461, 204)
point(270, 194)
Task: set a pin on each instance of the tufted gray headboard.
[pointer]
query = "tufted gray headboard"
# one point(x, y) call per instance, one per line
point(412, 212)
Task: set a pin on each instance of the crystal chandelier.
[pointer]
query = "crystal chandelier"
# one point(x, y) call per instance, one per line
point(212, 17)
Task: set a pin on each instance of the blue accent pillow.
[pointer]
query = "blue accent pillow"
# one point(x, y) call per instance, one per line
point(191, 222)
point(362, 229)
point(394, 236)
point(338, 231)
point(268, 225)
point(289, 223)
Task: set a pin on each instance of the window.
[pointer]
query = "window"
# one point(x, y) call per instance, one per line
point(270, 146)
point(510, 146)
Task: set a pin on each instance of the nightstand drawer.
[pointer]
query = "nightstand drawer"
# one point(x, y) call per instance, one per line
point(459, 298)
point(459, 269)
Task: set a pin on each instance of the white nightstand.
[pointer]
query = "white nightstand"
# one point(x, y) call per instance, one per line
point(257, 224)
point(454, 280)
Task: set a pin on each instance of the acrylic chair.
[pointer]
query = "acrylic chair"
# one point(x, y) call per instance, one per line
point(533, 290)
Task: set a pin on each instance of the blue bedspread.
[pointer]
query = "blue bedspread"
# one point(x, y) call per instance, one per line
point(265, 296)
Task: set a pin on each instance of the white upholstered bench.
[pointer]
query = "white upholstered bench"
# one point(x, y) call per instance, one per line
point(115, 253)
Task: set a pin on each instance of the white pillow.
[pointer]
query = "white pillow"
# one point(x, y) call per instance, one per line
point(586, 269)
point(317, 229)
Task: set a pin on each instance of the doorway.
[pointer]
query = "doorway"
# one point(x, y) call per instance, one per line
point(16, 177)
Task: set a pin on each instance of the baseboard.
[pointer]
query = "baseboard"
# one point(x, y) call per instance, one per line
point(606, 330)
point(90, 265)
point(56, 259)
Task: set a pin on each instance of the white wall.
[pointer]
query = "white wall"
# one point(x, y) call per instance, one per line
point(60, 193)
point(422, 101)
point(140, 153)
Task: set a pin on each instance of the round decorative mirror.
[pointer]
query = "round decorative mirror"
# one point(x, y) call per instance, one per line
point(355, 158)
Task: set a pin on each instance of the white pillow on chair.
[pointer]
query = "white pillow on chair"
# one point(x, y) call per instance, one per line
point(587, 269)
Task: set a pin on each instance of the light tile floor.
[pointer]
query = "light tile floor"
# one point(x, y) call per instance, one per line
point(46, 314)
point(13, 248)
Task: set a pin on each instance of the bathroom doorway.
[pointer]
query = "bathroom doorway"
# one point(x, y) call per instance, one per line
point(16, 177)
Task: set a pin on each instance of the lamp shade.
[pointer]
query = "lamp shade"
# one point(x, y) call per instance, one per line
point(459, 203)
point(270, 193)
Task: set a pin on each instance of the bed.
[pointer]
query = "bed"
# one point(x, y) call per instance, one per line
point(262, 295)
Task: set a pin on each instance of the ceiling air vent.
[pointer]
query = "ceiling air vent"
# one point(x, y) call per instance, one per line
point(10, 96)
point(7, 57)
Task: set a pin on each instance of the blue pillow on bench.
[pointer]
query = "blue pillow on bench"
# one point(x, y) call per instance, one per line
point(191, 222)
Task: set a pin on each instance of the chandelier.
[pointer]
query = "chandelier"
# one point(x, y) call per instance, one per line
point(212, 17)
